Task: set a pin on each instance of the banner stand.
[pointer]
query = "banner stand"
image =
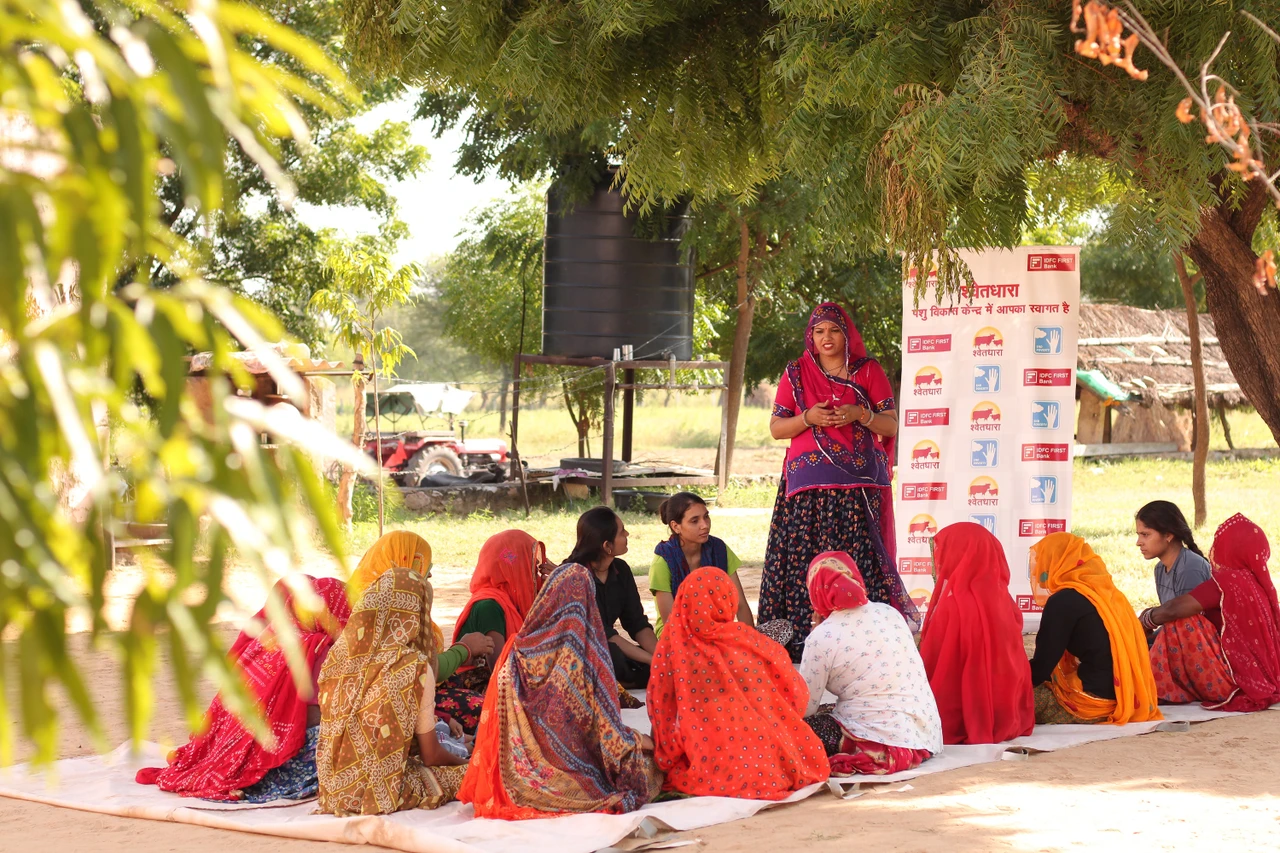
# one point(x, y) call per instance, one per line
point(987, 411)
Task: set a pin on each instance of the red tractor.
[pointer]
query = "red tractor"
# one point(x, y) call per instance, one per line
point(432, 457)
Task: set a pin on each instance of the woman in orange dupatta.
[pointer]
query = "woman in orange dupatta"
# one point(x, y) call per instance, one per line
point(726, 704)
point(509, 572)
point(972, 641)
point(1091, 663)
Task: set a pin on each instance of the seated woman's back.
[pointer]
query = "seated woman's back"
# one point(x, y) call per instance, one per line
point(1070, 623)
point(867, 658)
point(725, 702)
point(1091, 663)
point(972, 641)
point(551, 739)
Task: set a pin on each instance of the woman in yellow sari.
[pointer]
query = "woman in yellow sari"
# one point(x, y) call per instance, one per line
point(1091, 663)
point(378, 751)
point(403, 549)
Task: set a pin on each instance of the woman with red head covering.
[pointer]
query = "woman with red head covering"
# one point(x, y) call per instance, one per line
point(972, 641)
point(885, 719)
point(725, 703)
point(508, 575)
point(225, 761)
point(836, 407)
point(1220, 643)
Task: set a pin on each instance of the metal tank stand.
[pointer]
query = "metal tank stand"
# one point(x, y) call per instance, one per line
point(634, 477)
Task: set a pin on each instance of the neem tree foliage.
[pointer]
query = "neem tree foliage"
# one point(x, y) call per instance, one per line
point(915, 122)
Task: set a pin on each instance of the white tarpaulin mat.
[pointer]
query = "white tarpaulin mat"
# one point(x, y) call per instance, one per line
point(104, 784)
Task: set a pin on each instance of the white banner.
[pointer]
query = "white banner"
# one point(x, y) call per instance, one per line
point(987, 410)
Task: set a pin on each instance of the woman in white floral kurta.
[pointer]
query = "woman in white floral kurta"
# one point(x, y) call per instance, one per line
point(885, 719)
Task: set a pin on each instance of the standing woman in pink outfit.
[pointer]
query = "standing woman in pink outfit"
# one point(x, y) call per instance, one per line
point(835, 405)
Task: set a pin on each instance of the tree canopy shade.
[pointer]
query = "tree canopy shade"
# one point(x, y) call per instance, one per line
point(915, 121)
point(90, 117)
point(262, 248)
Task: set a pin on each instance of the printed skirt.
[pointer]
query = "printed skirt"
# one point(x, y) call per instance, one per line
point(804, 526)
point(1189, 665)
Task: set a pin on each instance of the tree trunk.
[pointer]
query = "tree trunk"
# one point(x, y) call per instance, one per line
point(741, 338)
point(347, 482)
point(1247, 324)
point(1200, 430)
point(1226, 427)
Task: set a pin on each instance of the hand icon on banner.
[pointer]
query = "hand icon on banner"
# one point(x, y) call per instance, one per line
point(990, 453)
point(1055, 341)
point(1050, 487)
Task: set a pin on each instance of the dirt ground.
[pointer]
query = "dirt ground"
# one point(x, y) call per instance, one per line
point(1213, 788)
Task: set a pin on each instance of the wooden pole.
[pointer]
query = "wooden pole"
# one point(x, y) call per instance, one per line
point(517, 469)
point(628, 411)
point(1200, 423)
point(377, 431)
point(722, 468)
point(606, 476)
point(1226, 427)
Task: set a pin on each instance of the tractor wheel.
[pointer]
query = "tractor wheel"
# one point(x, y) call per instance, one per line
point(433, 460)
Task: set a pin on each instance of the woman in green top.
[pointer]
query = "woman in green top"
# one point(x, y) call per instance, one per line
point(690, 547)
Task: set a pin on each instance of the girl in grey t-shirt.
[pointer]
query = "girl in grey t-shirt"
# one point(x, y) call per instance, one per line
point(1165, 536)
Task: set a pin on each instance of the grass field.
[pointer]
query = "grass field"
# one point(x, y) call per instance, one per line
point(1105, 496)
point(694, 423)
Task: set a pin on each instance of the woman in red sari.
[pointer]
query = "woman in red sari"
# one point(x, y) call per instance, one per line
point(972, 641)
point(224, 761)
point(726, 705)
point(835, 406)
point(1220, 643)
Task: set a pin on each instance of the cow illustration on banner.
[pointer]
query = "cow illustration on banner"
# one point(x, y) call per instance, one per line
point(987, 410)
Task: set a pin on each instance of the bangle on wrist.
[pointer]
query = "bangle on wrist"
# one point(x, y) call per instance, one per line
point(871, 416)
point(804, 416)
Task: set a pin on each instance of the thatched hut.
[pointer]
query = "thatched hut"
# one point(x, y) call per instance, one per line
point(1134, 378)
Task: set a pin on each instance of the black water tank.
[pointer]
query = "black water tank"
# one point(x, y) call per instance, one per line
point(604, 287)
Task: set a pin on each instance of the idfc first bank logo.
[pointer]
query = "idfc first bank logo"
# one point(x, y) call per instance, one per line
point(928, 382)
point(988, 342)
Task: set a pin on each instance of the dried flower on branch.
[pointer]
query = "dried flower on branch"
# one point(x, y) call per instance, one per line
point(1226, 124)
point(1103, 28)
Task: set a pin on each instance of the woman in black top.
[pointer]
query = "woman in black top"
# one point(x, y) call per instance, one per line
point(1091, 663)
point(1070, 623)
point(602, 539)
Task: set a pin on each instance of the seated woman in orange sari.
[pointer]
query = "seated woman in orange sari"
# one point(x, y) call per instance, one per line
point(552, 739)
point(1220, 643)
point(401, 548)
point(1091, 663)
point(726, 705)
point(379, 752)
